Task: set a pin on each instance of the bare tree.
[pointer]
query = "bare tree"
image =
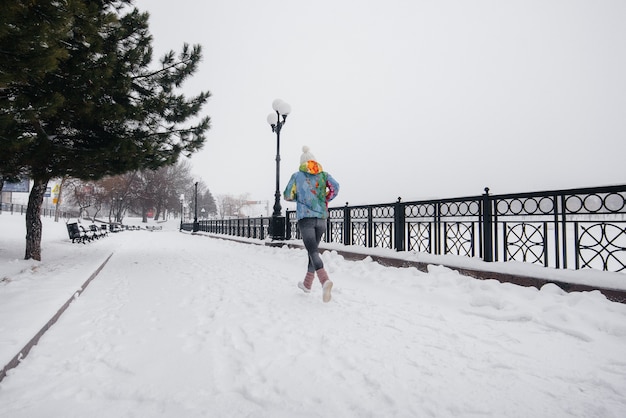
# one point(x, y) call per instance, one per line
point(81, 194)
point(119, 192)
point(230, 206)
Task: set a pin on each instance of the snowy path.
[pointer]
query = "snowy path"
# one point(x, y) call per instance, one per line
point(188, 326)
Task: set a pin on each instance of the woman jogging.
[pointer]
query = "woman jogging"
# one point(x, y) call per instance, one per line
point(312, 189)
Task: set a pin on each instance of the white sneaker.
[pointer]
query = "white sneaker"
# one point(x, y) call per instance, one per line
point(304, 289)
point(328, 286)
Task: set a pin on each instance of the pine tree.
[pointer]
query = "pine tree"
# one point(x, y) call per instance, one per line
point(94, 107)
point(28, 49)
point(208, 203)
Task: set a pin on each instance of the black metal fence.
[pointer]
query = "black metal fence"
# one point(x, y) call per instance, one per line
point(49, 212)
point(576, 228)
point(257, 228)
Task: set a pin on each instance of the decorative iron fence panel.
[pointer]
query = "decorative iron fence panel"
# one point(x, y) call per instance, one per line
point(544, 228)
point(599, 245)
point(336, 225)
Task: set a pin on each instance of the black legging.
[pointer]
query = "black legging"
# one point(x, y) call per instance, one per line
point(312, 230)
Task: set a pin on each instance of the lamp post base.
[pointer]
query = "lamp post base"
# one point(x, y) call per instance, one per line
point(277, 228)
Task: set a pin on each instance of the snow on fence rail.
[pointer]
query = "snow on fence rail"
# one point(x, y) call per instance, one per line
point(563, 229)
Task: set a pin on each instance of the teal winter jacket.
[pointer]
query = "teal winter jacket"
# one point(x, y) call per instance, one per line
point(312, 189)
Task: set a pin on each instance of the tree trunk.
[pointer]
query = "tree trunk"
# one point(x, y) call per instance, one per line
point(33, 220)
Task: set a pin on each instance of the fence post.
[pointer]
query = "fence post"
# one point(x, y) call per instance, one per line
point(329, 230)
point(399, 224)
point(347, 236)
point(287, 225)
point(370, 232)
point(487, 227)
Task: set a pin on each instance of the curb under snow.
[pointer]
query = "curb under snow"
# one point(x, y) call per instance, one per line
point(29, 345)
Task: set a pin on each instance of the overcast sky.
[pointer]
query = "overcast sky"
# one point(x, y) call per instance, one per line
point(407, 98)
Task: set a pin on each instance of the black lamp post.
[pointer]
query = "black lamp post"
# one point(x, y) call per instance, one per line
point(182, 210)
point(282, 109)
point(196, 226)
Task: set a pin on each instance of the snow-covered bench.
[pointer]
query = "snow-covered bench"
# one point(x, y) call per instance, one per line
point(98, 232)
point(77, 234)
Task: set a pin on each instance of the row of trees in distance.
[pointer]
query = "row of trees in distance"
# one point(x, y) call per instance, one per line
point(139, 192)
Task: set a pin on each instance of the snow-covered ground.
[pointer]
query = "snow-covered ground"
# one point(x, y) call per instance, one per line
point(181, 325)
